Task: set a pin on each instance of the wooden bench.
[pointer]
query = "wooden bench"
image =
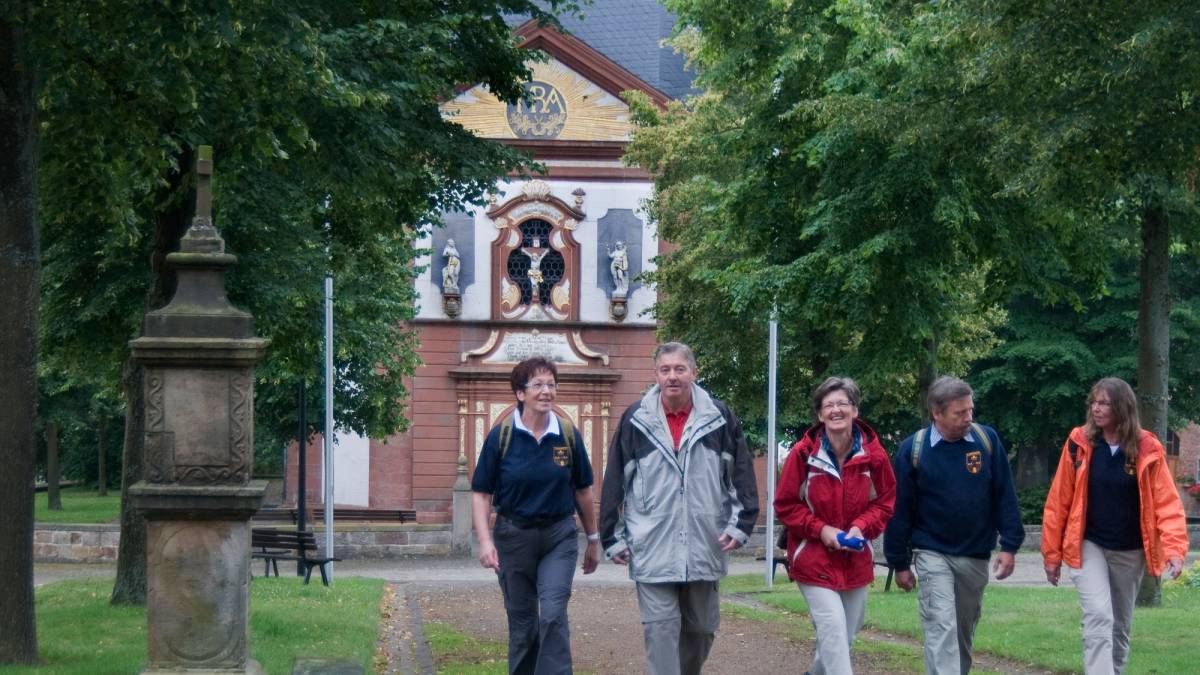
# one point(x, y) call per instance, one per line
point(782, 561)
point(365, 515)
point(276, 513)
point(271, 546)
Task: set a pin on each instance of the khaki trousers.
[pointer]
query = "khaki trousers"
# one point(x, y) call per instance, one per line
point(1108, 584)
point(679, 623)
point(836, 617)
point(950, 596)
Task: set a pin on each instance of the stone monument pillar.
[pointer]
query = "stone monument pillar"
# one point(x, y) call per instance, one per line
point(199, 354)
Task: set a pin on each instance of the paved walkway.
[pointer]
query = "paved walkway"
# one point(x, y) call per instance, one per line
point(468, 571)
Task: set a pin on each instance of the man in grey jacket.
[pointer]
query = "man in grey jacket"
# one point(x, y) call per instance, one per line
point(679, 495)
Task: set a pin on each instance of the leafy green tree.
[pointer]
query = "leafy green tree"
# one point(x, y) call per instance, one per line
point(847, 194)
point(331, 155)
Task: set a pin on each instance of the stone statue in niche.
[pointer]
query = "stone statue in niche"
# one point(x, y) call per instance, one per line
point(451, 270)
point(619, 267)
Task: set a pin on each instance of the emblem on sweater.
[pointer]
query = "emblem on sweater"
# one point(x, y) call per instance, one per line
point(562, 456)
point(974, 461)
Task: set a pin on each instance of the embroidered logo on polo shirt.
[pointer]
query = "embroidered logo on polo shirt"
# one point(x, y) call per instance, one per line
point(974, 461)
point(562, 456)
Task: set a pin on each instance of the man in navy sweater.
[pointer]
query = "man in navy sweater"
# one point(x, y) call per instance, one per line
point(954, 495)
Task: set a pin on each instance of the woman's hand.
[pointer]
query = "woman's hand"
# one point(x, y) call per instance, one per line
point(488, 557)
point(1174, 568)
point(1052, 573)
point(591, 557)
point(829, 535)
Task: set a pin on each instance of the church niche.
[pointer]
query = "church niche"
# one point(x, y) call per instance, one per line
point(536, 257)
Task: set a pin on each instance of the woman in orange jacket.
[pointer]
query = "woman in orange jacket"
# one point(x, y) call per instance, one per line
point(1112, 514)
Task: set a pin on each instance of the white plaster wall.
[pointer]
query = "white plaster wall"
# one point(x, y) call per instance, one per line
point(351, 469)
point(601, 196)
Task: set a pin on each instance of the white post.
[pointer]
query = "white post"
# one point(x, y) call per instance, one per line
point(772, 451)
point(329, 431)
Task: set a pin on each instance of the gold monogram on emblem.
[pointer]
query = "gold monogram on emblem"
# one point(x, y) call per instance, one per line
point(974, 461)
point(562, 456)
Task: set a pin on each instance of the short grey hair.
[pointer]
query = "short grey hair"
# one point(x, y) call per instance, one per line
point(676, 348)
point(830, 385)
point(944, 390)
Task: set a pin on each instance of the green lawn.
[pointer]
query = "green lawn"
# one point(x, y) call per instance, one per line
point(1032, 625)
point(79, 505)
point(79, 633)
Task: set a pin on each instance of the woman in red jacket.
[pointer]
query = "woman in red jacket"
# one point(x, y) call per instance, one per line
point(836, 494)
point(1112, 513)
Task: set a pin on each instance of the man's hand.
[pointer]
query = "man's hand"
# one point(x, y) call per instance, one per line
point(622, 558)
point(728, 543)
point(906, 580)
point(591, 557)
point(1174, 568)
point(488, 557)
point(1003, 565)
point(1052, 572)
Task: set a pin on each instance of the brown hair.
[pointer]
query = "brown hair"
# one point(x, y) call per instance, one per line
point(1123, 405)
point(525, 370)
point(944, 390)
point(675, 348)
point(830, 385)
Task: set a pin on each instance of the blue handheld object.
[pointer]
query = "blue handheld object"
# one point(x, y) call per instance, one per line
point(856, 543)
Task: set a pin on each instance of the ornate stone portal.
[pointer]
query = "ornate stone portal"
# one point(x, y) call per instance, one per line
point(199, 354)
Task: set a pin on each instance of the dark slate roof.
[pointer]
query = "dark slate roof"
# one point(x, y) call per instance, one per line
point(629, 33)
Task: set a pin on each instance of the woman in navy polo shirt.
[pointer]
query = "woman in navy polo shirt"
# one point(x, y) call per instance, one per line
point(1112, 513)
point(535, 471)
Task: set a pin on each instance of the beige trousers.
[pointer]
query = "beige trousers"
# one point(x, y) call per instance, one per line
point(836, 616)
point(1108, 584)
point(950, 595)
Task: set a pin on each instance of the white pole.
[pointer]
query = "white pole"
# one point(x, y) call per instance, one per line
point(772, 451)
point(329, 431)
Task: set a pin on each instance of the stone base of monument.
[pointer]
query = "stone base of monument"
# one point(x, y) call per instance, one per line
point(198, 583)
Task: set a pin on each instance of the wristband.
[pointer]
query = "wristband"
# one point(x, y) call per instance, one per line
point(595, 536)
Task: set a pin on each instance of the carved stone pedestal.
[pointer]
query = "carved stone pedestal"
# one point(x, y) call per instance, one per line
point(198, 602)
point(452, 304)
point(198, 353)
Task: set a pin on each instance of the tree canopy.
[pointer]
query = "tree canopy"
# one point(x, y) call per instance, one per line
point(890, 175)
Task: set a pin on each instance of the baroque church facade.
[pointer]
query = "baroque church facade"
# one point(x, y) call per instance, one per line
point(550, 266)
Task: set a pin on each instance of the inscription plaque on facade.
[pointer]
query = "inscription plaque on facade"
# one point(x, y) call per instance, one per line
point(518, 346)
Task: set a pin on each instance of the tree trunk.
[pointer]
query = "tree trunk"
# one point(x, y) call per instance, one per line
point(1154, 345)
point(170, 224)
point(130, 587)
point(1034, 466)
point(926, 374)
point(102, 455)
point(19, 260)
point(53, 498)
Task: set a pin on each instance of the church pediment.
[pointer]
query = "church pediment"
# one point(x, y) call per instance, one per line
point(573, 96)
point(562, 106)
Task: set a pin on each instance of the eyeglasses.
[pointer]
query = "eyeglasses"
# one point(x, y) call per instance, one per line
point(837, 405)
point(538, 386)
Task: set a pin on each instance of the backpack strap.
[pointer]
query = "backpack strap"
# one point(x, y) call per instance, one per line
point(1073, 451)
point(984, 439)
point(506, 431)
point(918, 444)
point(568, 432)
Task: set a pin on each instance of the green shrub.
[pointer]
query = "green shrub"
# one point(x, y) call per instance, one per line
point(1189, 579)
point(1032, 501)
